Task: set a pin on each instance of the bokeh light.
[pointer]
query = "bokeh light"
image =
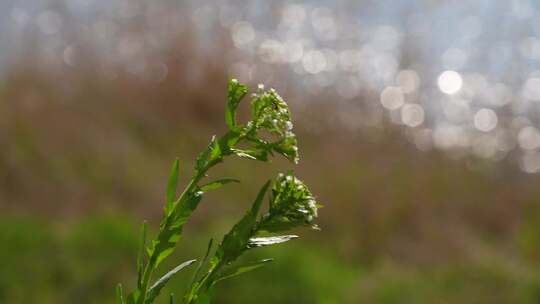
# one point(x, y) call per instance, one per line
point(412, 115)
point(485, 120)
point(392, 98)
point(450, 82)
point(468, 85)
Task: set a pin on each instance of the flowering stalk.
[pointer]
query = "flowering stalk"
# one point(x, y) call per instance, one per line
point(291, 203)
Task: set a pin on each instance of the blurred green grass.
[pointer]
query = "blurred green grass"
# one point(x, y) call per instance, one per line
point(67, 262)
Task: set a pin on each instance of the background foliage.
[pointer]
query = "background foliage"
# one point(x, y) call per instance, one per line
point(85, 157)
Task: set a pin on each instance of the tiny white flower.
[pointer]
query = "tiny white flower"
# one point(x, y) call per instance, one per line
point(288, 126)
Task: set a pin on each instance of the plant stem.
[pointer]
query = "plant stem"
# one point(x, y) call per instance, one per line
point(151, 265)
point(203, 284)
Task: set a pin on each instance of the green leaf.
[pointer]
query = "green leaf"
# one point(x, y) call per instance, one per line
point(171, 186)
point(120, 294)
point(134, 297)
point(235, 92)
point(155, 289)
point(171, 298)
point(269, 240)
point(216, 152)
point(201, 263)
point(258, 201)
point(243, 269)
point(141, 254)
point(235, 242)
point(210, 156)
point(171, 228)
point(218, 184)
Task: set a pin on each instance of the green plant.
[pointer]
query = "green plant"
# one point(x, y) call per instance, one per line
point(291, 204)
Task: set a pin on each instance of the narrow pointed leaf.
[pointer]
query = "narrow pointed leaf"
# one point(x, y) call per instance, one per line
point(133, 297)
point(218, 184)
point(120, 294)
point(142, 253)
point(259, 200)
point(243, 269)
point(171, 228)
point(154, 290)
point(236, 240)
point(171, 186)
point(269, 240)
point(201, 262)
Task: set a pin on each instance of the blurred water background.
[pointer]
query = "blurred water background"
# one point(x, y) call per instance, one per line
point(418, 124)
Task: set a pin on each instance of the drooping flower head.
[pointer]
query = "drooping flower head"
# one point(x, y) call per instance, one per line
point(291, 205)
